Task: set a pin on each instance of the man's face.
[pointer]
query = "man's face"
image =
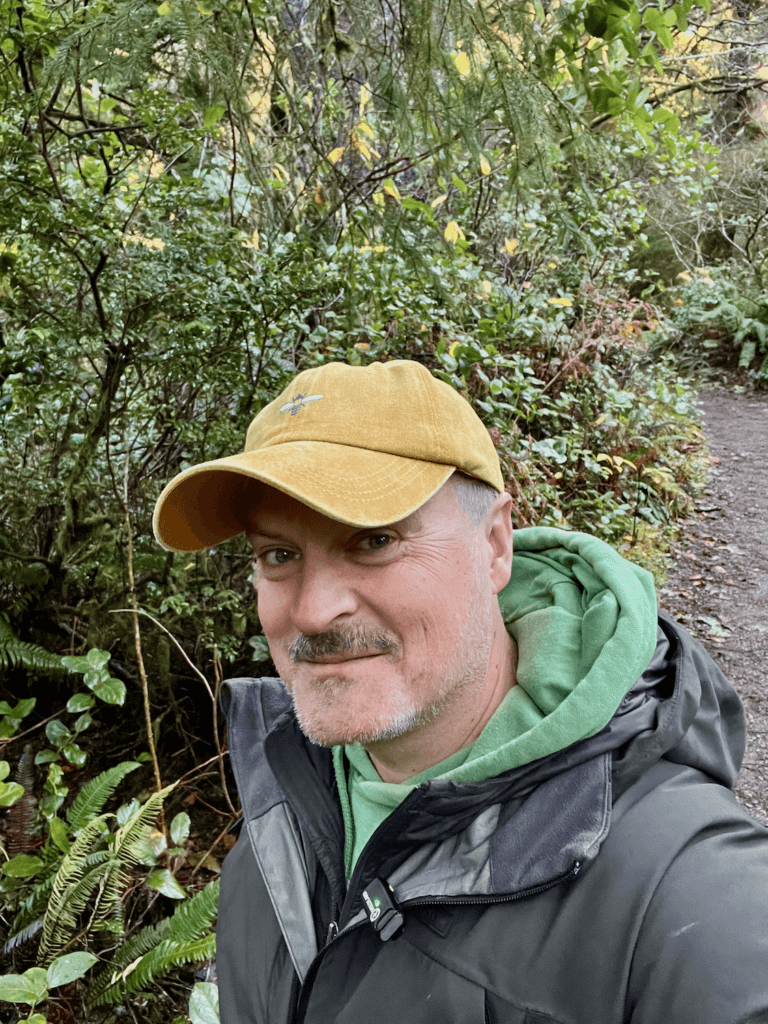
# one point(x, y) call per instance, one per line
point(375, 632)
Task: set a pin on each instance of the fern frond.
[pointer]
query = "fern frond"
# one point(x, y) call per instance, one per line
point(129, 841)
point(73, 885)
point(23, 936)
point(129, 952)
point(154, 965)
point(92, 797)
point(127, 847)
point(15, 653)
point(33, 906)
point(191, 920)
point(20, 819)
point(195, 915)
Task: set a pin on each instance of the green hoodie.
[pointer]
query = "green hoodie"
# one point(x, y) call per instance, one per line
point(584, 620)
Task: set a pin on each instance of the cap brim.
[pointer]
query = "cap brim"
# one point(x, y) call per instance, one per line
point(208, 504)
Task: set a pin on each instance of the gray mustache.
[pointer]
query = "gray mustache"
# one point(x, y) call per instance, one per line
point(309, 647)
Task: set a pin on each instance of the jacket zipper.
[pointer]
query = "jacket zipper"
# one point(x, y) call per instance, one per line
point(456, 901)
point(460, 901)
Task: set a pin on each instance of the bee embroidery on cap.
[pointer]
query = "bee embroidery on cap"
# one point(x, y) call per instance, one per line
point(298, 403)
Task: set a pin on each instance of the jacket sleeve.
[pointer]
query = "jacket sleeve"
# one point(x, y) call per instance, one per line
point(702, 951)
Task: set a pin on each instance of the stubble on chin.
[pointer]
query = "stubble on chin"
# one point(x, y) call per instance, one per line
point(328, 717)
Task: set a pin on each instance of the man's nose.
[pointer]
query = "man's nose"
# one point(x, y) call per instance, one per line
point(324, 596)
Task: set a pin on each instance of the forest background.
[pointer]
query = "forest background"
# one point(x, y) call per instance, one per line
point(560, 208)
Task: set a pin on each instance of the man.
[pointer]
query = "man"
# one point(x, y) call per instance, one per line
point(481, 790)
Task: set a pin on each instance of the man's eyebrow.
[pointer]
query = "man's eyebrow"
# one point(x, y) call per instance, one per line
point(257, 531)
point(412, 522)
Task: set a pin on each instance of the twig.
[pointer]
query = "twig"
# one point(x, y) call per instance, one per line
point(137, 642)
point(213, 696)
point(12, 739)
point(219, 677)
point(199, 766)
point(185, 656)
point(208, 853)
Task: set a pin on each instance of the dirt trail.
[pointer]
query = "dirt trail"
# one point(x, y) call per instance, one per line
point(719, 588)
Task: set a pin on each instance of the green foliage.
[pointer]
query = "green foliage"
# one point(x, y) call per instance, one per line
point(76, 889)
point(155, 949)
point(10, 792)
point(18, 653)
point(33, 986)
point(720, 308)
point(84, 864)
point(92, 797)
point(204, 1003)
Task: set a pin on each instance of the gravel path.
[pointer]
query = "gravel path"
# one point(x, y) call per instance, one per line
point(719, 588)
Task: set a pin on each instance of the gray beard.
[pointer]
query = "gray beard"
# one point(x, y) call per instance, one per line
point(399, 727)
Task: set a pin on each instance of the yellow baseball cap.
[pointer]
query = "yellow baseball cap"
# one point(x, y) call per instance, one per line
point(366, 445)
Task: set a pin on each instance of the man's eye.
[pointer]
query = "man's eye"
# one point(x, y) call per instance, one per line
point(376, 541)
point(278, 556)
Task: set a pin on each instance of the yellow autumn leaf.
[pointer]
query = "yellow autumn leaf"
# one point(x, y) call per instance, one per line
point(510, 244)
point(253, 241)
point(461, 60)
point(363, 126)
point(552, 266)
point(560, 300)
point(391, 190)
point(164, 9)
point(362, 345)
point(335, 155)
point(485, 287)
point(452, 347)
point(363, 98)
point(319, 201)
point(362, 149)
point(679, 302)
point(438, 202)
point(602, 457)
point(378, 198)
point(485, 167)
point(453, 232)
point(600, 420)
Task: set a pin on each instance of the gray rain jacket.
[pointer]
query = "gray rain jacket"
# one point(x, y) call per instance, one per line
point(616, 881)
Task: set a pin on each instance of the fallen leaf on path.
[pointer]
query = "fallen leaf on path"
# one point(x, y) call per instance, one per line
point(696, 576)
point(718, 568)
point(685, 593)
point(729, 583)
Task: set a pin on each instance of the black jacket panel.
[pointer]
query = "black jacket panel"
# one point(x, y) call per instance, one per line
point(615, 882)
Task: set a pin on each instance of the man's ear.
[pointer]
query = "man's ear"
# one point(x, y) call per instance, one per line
point(498, 527)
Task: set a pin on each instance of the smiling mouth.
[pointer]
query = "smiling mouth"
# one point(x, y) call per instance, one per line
point(338, 659)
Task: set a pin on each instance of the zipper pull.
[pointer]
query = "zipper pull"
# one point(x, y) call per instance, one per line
point(333, 931)
point(383, 910)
